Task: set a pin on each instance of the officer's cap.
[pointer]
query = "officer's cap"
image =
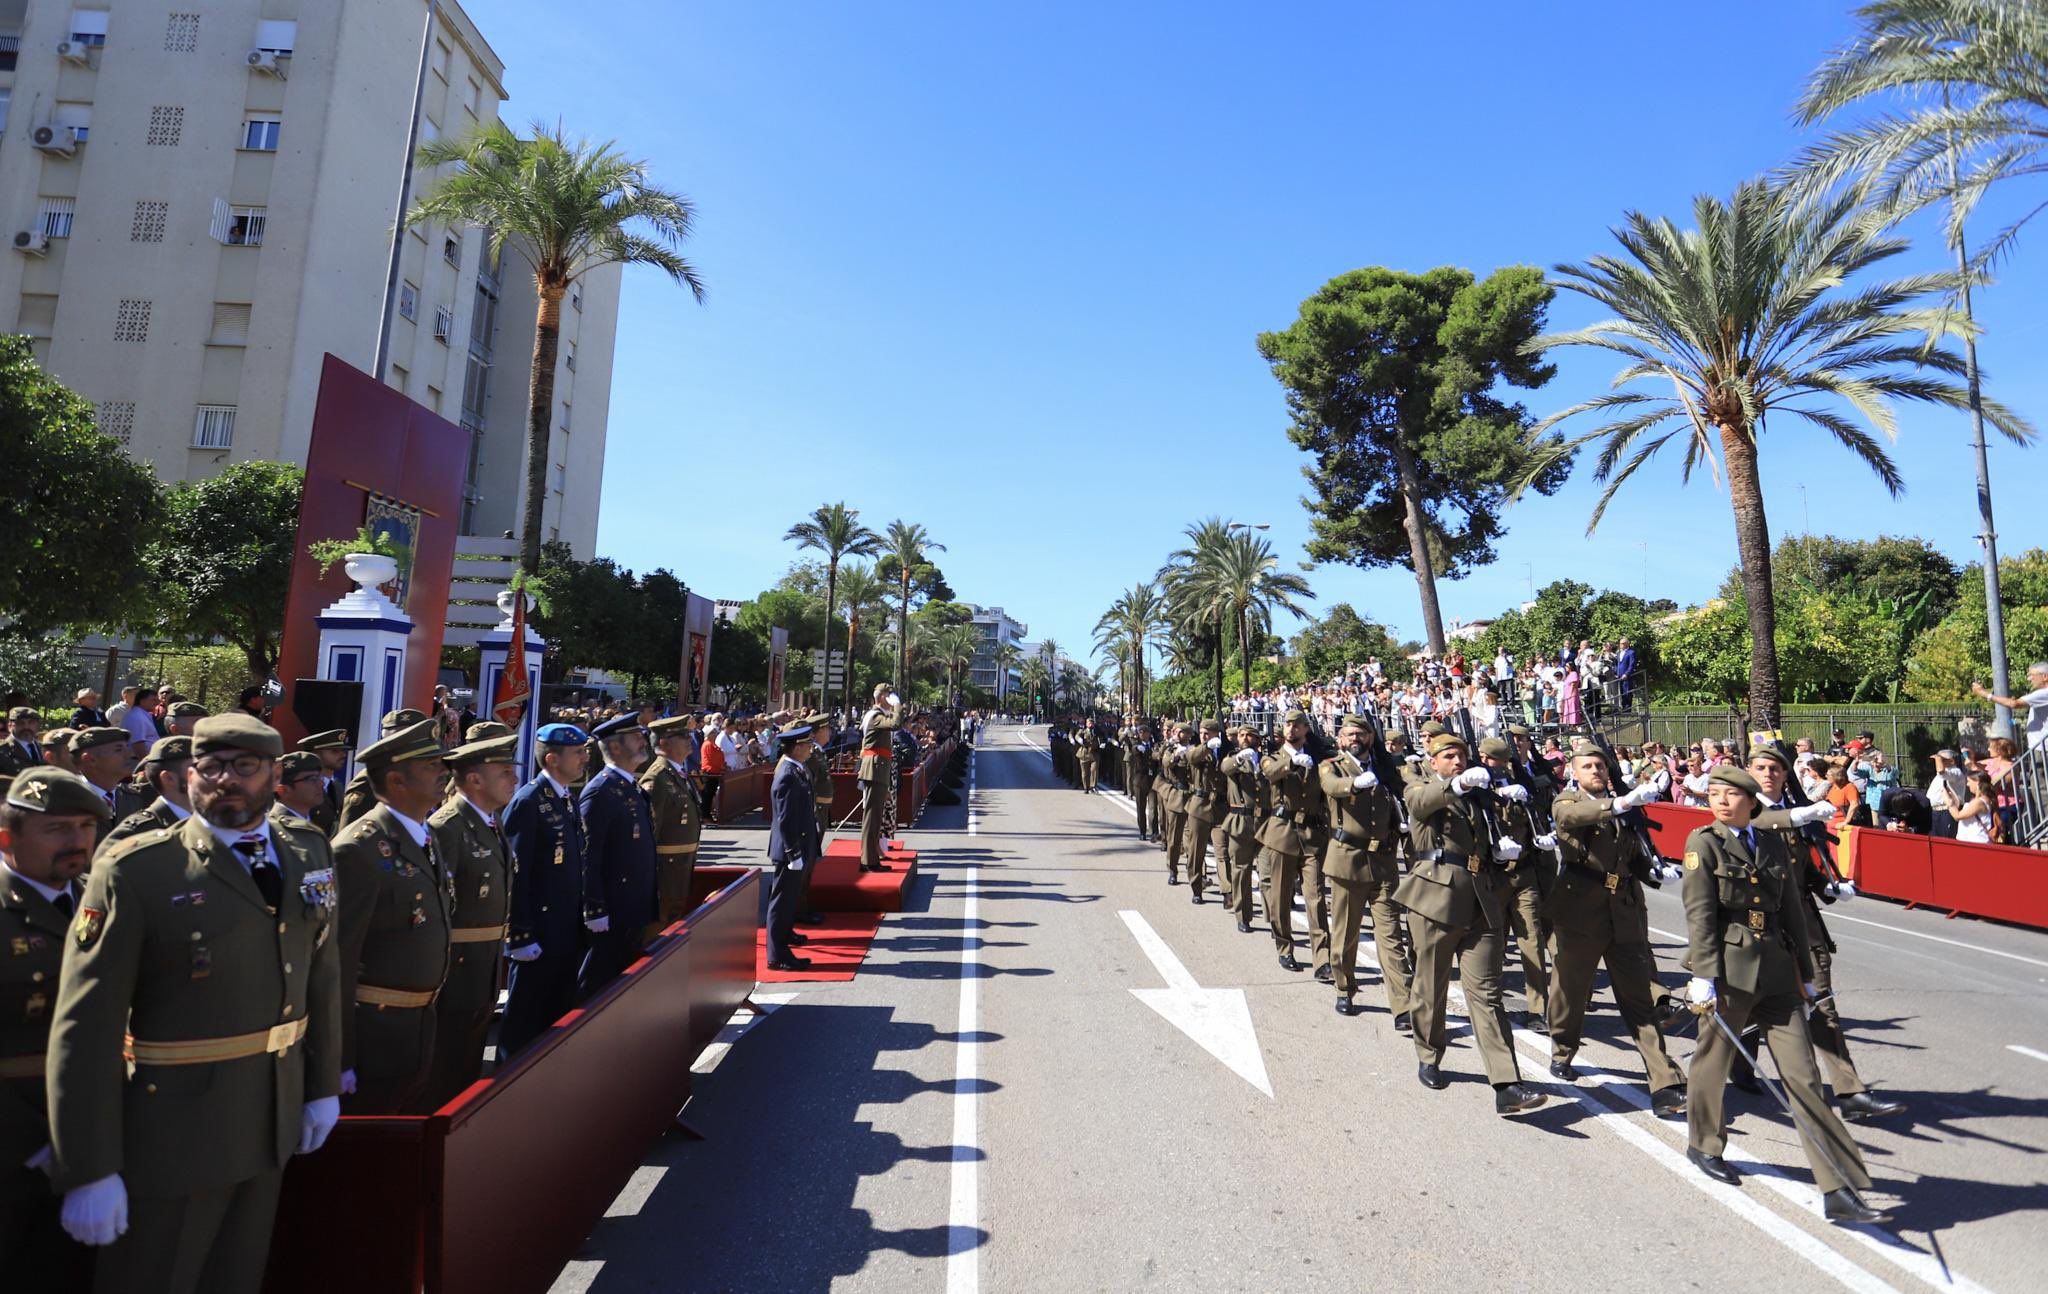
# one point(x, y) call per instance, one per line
point(169, 750)
point(190, 710)
point(1433, 728)
point(1397, 738)
point(673, 726)
point(1494, 748)
point(59, 738)
point(1357, 721)
point(400, 719)
point(490, 728)
point(790, 736)
point(236, 731)
point(21, 714)
point(297, 763)
point(1730, 775)
point(94, 738)
point(332, 739)
point(402, 747)
point(1296, 715)
point(816, 719)
point(1519, 730)
point(1211, 725)
point(1444, 741)
point(1773, 750)
point(43, 789)
point(1245, 730)
point(491, 750)
point(616, 726)
point(561, 734)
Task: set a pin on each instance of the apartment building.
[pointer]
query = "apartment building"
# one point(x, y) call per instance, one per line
point(995, 628)
point(199, 206)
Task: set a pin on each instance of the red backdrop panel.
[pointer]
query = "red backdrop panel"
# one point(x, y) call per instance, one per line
point(368, 437)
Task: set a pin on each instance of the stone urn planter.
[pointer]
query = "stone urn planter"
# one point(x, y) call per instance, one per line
point(370, 570)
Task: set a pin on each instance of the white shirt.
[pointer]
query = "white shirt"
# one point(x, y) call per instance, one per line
point(417, 830)
point(49, 892)
point(490, 819)
point(234, 838)
point(2037, 714)
point(555, 784)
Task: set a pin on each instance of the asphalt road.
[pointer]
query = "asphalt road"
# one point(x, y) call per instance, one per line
point(993, 1105)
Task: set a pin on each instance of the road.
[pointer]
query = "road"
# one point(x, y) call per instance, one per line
point(1005, 1099)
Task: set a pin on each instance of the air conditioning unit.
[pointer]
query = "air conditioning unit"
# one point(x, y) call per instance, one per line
point(31, 242)
point(75, 51)
point(54, 139)
point(268, 63)
point(444, 323)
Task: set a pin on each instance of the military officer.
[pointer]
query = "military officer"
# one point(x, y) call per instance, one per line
point(1771, 765)
point(301, 790)
point(22, 749)
point(678, 828)
point(1174, 764)
point(1750, 958)
point(1528, 876)
point(181, 717)
point(1295, 800)
point(1162, 787)
point(1086, 771)
point(795, 842)
point(470, 849)
point(1237, 835)
point(395, 896)
point(553, 893)
point(165, 767)
point(197, 1039)
point(877, 772)
point(1204, 803)
point(1361, 785)
point(618, 846)
point(331, 747)
point(818, 770)
point(358, 798)
point(1453, 897)
point(47, 826)
point(1137, 748)
point(105, 757)
point(57, 748)
point(1595, 909)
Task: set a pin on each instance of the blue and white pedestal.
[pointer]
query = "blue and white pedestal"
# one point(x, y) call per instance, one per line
point(363, 638)
point(492, 650)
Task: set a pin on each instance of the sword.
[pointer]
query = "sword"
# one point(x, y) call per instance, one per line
point(1784, 1102)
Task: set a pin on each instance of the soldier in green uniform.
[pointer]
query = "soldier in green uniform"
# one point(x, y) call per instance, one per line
point(165, 768)
point(57, 749)
point(181, 717)
point(877, 770)
point(1528, 876)
point(1453, 896)
point(23, 748)
point(1174, 766)
point(1749, 957)
point(470, 849)
point(1137, 751)
point(1361, 787)
point(678, 828)
point(1204, 803)
point(331, 747)
point(1084, 757)
point(104, 757)
point(359, 798)
point(1595, 909)
point(196, 1044)
point(1237, 835)
point(301, 790)
point(1294, 797)
point(1162, 787)
point(394, 927)
point(47, 825)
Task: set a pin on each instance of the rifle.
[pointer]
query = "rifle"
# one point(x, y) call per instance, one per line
point(1641, 867)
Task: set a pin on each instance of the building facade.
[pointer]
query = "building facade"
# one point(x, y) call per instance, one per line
point(995, 628)
point(199, 206)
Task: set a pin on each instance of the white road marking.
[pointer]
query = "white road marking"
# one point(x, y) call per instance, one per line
point(638, 1187)
point(2027, 1051)
point(1671, 934)
point(963, 1247)
point(970, 791)
point(1218, 1019)
point(736, 1029)
point(577, 1277)
point(1953, 943)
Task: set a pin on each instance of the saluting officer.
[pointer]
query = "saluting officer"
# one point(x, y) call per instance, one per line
point(1359, 783)
point(395, 896)
point(47, 825)
point(197, 1039)
point(1237, 836)
point(552, 890)
point(678, 828)
point(1162, 787)
point(1453, 897)
point(1750, 960)
point(1595, 909)
point(1285, 838)
point(1084, 757)
point(877, 772)
point(1174, 766)
point(358, 799)
point(165, 768)
point(1527, 877)
point(1205, 803)
point(1138, 773)
point(331, 747)
point(618, 843)
point(471, 850)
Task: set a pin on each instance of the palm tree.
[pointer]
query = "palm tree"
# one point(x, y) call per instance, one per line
point(835, 530)
point(565, 206)
point(955, 646)
point(1116, 655)
point(1193, 616)
point(907, 545)
point(1743, 318)
point(1136, 619)
point(1237, 578)
point(1007, 655)
point(864, 593)
point(1037, 680)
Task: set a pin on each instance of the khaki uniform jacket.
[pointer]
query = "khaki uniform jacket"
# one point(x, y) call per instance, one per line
point(326, 815)
point(1744, 922)
point(156, 817)
point(1449, 890)
point(1593, 846)
point(174, 943)
point(1246, 790)
point(820, 770)
point(1296, 800)
point(877, 730)
point(1205, 799)
point(356, 800)
point(394, 914)
point(1175, 781)
point(473, 853)
point(32, 938)
point(1800, 855)
point(1367, 818)
point(673, 803)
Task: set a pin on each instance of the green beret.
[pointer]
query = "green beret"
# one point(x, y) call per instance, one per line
point(1730, 775)
point(1211, 725)
point(1296, 715)
point(489, 728)
point(298, 763)
point(59, 738)
point(1395, 735)
point(43, 789)
point(332, 739)
point(94, 738)
point(1433, 727)
point(1773, 750)
point(1443, 741)
point(236, 731)
point(403, 746)
point(1495, 748)
point(398, 719)
point(186, 710)
point(169, 750)
point(491, 750)
point(22, 714)
point(1358, 721)
point(1519, 730)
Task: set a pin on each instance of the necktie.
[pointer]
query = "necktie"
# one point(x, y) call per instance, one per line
point(261, 869)
point(64, 905)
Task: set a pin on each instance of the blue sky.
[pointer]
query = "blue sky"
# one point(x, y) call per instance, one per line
point(998, 269)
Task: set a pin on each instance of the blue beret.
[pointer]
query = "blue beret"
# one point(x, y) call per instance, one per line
point(561, 734)
point(616, 726)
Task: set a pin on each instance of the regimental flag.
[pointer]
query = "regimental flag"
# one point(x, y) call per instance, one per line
point(508, 699)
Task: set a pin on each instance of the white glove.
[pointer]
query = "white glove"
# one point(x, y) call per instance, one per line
point(1301, 760)
point(1215, 743)
point(1846, 890)
point(524, 952)
point(1472, 779)
point(1812, 991)
point(40, 1161)
point(597, 925)
point(1700, 991)
point(1635, 799)
point(1513, 793)
point(97, 1212)
point(1507, 851)
point(1818, 811)
point(1414, 759)
point(894, 699)
point(316, 1121)
point(1365, 781)
point(348, 1082)
point(1547, 842)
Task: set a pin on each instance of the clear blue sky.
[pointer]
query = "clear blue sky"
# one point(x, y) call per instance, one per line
point(998, 269)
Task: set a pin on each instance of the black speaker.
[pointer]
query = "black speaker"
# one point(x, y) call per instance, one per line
point(323, 703)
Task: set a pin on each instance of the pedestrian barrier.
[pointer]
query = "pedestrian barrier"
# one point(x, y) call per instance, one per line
point(913, 786)
point(494, 1192)
point(742, 791)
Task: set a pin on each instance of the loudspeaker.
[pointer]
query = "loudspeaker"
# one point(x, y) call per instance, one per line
point(323, 703)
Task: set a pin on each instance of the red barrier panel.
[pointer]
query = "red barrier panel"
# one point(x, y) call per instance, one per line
point(742, 792)
point(1670, 824)
point(2003, 882)
point(1893, 864)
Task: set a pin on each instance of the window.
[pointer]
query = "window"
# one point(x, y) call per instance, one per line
point(260, 133)
point(565, 417)
point(277, 36)
point(76, 117)
point(576, 296)
point(53, 217)
point(560, 478)
point(88, 26)
point(398, 376)
point(181, 33)
point(440, 63)
point(166, 126)
point(238, 226)
point(230, 324)
point(451, 250)
point(150, 218)
point(434, 398)
point(131, 319)
point(115, 418)
point(476, 98)
point(6, 94)
point(408, 302)
point(10, 52)
point(569, 360)
point(444, 323)
point(429, 132)
point(214, 428)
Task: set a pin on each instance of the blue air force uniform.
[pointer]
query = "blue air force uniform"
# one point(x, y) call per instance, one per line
point(618, 834)
point(550, 887)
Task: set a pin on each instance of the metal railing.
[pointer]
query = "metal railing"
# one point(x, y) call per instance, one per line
point(2030, 787)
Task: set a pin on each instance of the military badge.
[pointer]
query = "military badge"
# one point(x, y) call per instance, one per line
point(1692, 861)
point(18, 947)
point(90, 922)
point(385, 847)
point(316, 889)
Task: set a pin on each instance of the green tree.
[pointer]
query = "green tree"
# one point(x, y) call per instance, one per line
point(221, 565)
point(1342, 637)
point(1036, 681)
point(1743, 318)
point(1392, 383)
point(565, 206)
point(76, 513)
point(1890, 566)
point(1238, 578)
point(1007, 657)
point(590, 608)
point(908, 549)
point(835, 530)
point(651, 656)
point(1136, 620)
point(865, 597)
point(1195, 619)
point(44, 669)
point(1949, 657)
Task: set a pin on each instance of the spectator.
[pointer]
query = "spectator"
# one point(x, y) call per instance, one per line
point(1903, 808)
point(1977, 816)
point(139, 719)
point(1843, 795)
point(2035, 702)
point(119, 710)
point(1813, 776)
point(1694, 781)
point(87, 713)
point(1625, 674)
point(251, 702)
point(711, 762)
point(1999, 765)
point(1946, 793)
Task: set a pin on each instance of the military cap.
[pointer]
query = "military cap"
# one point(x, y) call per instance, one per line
point(191, 710)
point(486, 729)
point(299, 762)
point(676, 725)
point(1397, 737)
point(1296, 715)
point(43, 789)
point(1730, 775)
point(59, 738)
point(491, 750)
point(1245, 730)
point(236, 731)
point(790, 736)
point(21, 714)
point(1358, 721)
point(94, 738)
point(169, 750)
point(400, 719)
point(1773, 750)
point(332, 739)
point(561, 734)
point(1444, 741)
point(1495, 748)
point(1433, 727)
point(817, 719)
point(1519, 730)
point(1211, 725)
point(402, 747)
point(616, 726)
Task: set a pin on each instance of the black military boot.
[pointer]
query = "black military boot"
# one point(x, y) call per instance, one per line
point(1846, 1208)
point(1510, 1099)
point(1669, 1103)
point(1713, 1166)
point(1344, 1006)
point(1562, 1071)
point(1867, 1105)
point(1431, 1077)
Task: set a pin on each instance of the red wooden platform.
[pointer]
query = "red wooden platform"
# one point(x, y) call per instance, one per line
point(839, 885)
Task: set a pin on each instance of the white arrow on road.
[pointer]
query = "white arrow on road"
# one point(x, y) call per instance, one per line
point(1216, 1018)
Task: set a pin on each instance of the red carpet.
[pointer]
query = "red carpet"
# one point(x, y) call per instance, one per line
point(835, 951)
point(839, 885)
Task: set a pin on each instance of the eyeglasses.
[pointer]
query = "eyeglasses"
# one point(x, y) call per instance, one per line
point(240, 765)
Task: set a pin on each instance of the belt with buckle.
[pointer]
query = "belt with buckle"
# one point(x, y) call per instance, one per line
point(691, 848)
point(276, 1040)
point(373, 995)
point(473, 935)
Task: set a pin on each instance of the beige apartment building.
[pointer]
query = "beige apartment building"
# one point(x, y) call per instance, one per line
point(196, 205)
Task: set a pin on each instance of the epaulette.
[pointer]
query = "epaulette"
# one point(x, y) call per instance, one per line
point(121, 849)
